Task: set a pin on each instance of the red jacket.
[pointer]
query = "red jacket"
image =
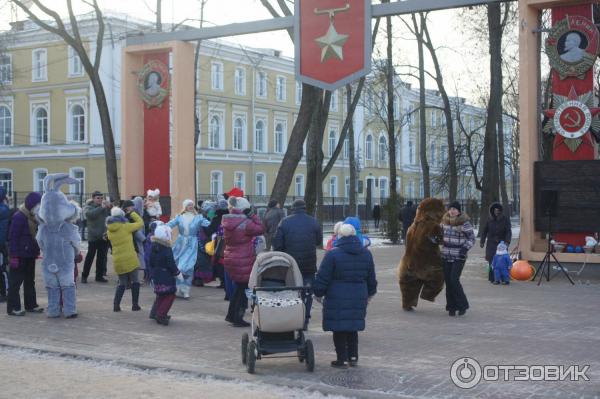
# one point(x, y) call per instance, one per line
point(239, 232)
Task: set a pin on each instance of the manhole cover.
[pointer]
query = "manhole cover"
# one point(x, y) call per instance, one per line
point(364, 379)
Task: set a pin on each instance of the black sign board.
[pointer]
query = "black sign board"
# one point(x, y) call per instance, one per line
point(575, 186)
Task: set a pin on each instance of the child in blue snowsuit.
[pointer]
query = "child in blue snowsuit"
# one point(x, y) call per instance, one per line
point(501, 265)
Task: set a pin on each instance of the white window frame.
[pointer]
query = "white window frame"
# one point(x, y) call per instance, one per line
point(433, 116)
point(347, 186)
point(265, 143)
point(283, 140)
point(35, 106)
point(38, 184)
point(216, 76)
point(9, 106)
point(396, 107)
point(384, 187)
point(262, 191)
point(260, 84)
point(73, 189)
point(43, 76)
point(299, 189)
point(411, 151)
point(281, 88)
point(333, 186)
point(369, 147)
point(240, 81)
point(244, 142)
point(6, 70)
point(7, 184)
point(74, 61)
point(334, 103)
point(382, 156)
point(71, 103)
point(346, 150)
point(242, 185)
point(220, 116)
point(219, 182)
point(331, 146)
point(298, 93)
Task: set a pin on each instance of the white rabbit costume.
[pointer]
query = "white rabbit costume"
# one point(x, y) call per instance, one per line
point(59, 241)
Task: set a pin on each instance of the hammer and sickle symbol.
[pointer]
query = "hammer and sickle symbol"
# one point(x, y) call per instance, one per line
point(574, 122)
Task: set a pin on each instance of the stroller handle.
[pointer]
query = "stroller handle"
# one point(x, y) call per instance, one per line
point(277, 289)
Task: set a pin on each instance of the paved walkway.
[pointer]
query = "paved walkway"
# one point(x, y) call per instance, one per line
point(401, 354)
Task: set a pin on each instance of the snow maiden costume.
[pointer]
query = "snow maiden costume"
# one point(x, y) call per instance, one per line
point(185, 250)
point(59, 241)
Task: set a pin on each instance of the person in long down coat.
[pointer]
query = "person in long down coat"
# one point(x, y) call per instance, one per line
point(240, 227)
point(346, 278)
point(496, 230)
point(185, 250)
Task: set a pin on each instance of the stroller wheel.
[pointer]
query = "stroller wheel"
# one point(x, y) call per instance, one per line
point(309, 354)
point(251, 357)
point(245, 340)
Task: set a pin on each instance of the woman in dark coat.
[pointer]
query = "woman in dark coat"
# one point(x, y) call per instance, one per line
point(346, 278)
point(496, 230)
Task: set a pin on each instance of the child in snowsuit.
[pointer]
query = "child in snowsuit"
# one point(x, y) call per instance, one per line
point(501, 264)
point(164, 271)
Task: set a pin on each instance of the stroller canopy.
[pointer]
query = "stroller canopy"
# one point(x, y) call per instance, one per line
point(275, 267)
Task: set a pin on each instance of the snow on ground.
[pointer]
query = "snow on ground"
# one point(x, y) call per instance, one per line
point(30, 374)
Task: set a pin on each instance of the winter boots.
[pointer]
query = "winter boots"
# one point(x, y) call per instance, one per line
point(135, 296)
point(118, 296)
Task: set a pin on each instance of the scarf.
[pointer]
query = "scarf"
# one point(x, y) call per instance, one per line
point(31, 221)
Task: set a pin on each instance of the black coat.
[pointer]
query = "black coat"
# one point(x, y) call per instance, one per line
point(496, 229)
point(299, 235)
point(377, 212)
point(407, 216)
point(163, 268)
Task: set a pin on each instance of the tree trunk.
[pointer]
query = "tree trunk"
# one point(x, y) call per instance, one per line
point(314, 156)
point(490, 192)
point(159, 15)
point(293, 154)
point(502, 167)
point(353, 170)
point(422, 105)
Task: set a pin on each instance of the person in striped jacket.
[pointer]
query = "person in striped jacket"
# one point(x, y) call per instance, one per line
point(459, 238)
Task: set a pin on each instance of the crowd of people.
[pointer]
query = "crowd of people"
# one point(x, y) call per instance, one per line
point(219, 240)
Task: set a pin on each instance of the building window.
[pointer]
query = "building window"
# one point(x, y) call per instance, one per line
point(39, 67)
point(261, 184)
point(239, 128)
point(369, 147)
point(280, 88)
point(346, 148)
point(396, 107)
point(239, 180)
point(347, 187)
point(299, 185)
point(260, 137)
point(382, 148)
point(6, 180)
point(433, 155)
point(5, 69)
point(383, 187)
point(443, 154)
point(412, 117)
point(75, 65)
point(240, 81)
point(332, 142)
point(411, 152)
point(261, 84)
point(216, 69)
point(433, 118)
point(40, 119)
point(38, 179)
point(333, 186)
point(298, 93)
point(280, 138)
point(79, 175)
point(333, 105)
point(410, 189)
point(5, 125)
point(77, 117)
point(216, 182)
point(214, 135)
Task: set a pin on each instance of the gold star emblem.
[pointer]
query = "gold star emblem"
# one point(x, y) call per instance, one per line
point(331, 44)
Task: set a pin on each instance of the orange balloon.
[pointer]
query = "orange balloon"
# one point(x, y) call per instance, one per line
point(522, 271)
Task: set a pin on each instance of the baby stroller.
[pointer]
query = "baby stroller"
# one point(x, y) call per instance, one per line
point(277, 305)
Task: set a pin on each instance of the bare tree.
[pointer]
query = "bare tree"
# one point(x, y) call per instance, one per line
point(73, 38)
point(352, 160)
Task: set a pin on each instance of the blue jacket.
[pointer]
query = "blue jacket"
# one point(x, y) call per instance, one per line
point(501, 262)
point(299, 235)
point(4, 219)
point(163, 268)
point(347, 279)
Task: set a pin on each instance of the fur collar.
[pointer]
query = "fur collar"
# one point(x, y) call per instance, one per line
point(160, 241)
point(457, 221)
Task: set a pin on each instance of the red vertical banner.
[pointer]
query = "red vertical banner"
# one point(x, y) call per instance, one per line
point(153, 84)
point(572, 48)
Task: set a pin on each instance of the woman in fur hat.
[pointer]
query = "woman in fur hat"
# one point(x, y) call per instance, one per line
point(185, 250)
point(458, 239)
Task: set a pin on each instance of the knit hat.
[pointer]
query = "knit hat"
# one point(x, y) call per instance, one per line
point(187, 203)
point(347, 230)
point(163, 232)
point(455, 205)
point(127, 204)
point(117, 212)
point(299, 204)
point(2, 193)
point(239, 203)
point(97, 194)
point(501, 249)
point(222, 204)
point(336, 227)
point(32, 200)
point(355, 222)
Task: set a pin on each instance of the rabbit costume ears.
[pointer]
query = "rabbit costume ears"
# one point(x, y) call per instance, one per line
point(55, 208)
point(153, 193)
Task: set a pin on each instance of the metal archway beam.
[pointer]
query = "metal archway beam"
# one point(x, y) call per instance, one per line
point(274, 24)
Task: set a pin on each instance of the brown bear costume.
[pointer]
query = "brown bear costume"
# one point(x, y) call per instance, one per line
point(420, 270)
